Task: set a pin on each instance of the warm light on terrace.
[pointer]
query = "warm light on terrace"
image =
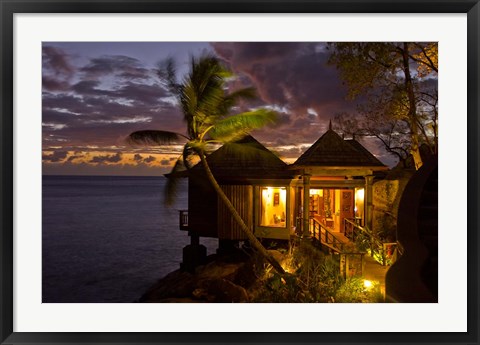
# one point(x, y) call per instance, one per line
point(367, 284)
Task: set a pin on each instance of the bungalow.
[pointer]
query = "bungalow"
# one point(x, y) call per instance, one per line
point(335, 182)
point(258, 184)
point(329, 183)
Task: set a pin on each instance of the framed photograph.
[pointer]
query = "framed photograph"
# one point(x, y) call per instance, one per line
point(276, 199)
point(190, 172)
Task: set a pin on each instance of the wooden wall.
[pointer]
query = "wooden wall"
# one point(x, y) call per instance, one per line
point(241, 197)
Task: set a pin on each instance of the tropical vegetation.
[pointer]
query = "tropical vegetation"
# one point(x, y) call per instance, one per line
point(313, 277)
point(396, 86)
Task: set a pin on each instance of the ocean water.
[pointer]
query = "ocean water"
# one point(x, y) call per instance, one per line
point(107, 239)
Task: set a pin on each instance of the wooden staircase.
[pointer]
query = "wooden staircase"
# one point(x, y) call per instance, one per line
point(327, 237)
point(352, 262)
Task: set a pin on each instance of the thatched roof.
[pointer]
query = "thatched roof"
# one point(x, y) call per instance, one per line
point(246, 158)
point(332, 151)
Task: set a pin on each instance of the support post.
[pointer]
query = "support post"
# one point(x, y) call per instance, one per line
point(194, 254)
point(306, 205)
point(194, 238)
point(369, 202)
point(347, 266)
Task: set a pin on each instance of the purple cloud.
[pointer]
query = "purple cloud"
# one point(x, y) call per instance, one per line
point(120, 65)
point(295, 78)
point(92, 102)
point(57, 70)
point(107, 158)
point(140, 159)
point(74, 157)
point(55, 157)
point(150, 159)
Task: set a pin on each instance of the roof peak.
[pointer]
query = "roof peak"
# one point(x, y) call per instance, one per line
point(332, 150)
point(246, 158)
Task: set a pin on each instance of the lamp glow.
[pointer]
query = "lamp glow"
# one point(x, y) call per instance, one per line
point(367, 283)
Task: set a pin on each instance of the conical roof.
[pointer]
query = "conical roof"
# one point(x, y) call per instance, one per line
point(246, 158)
point(330, 150)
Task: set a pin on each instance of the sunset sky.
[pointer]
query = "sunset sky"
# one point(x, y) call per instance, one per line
point(95, 94)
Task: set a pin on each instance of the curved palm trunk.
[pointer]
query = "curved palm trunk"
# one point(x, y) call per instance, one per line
point(251, 237)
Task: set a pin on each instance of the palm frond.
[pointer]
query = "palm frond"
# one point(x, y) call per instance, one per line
point(204, 90)
point(172, 182)
point(236, 126)
point(154, 137)
point(233, 98)
point(166, 71)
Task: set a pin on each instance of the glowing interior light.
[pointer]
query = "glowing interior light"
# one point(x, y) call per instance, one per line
point(367, 284)
point(273, 212)
point(360, 194)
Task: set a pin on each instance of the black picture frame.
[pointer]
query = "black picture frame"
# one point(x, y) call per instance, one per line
point(10, 7)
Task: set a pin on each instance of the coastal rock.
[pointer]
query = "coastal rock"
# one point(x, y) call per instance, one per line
point(245, 275)
point(176, 284)
point(219, 269)
point(221, 280)
point(177, 300)
point(221, 290)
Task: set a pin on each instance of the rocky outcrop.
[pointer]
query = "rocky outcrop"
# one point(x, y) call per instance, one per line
point(220, 290)
point(223, 279)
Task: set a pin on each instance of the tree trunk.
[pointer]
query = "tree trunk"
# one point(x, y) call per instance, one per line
point(251, 237)
point(412, 107)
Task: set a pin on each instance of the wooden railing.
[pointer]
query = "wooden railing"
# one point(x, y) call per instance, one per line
point(324, 235)
point(183, 219)
point(351, 263)
point(349, 226)
point(384, 253)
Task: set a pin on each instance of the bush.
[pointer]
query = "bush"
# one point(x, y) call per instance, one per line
point(280, 289)
point(362, 241)
point(314, 278)
point(354, 291)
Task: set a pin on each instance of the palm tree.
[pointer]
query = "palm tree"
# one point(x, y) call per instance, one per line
point(207, 107)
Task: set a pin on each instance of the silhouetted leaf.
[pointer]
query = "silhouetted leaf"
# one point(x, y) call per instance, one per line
point(154, 137)
point(235, 127)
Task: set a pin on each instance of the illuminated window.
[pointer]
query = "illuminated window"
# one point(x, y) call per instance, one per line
point(273, 206)
point(359, 202)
